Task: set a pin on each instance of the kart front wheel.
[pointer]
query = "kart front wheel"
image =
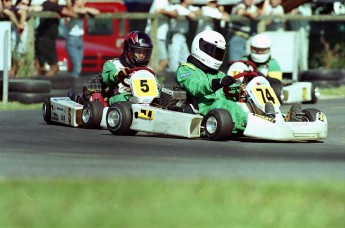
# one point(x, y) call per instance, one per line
point(218, 124)
point(46, 109)
point(92, 114)
point(310, 114)
point(119, 118)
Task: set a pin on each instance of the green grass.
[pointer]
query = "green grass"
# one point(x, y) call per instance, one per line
point(333, 91)
point(171, 203)
point(19, 106)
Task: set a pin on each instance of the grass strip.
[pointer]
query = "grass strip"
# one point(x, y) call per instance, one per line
point(171, 203)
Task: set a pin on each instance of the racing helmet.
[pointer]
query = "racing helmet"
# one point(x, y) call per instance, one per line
point(260, 48)
point(237, 68)
point(209, 48)
point(137, 49)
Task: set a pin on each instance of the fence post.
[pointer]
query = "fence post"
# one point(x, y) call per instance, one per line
point(155, 53)
point(6, 28)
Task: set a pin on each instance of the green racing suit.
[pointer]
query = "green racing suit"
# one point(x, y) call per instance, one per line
point(110, 70)
point(197, 83)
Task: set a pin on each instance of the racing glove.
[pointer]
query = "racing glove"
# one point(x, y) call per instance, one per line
point(122, 74)
point(218, 83)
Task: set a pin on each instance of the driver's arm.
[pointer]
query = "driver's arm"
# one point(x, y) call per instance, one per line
point(109, 73)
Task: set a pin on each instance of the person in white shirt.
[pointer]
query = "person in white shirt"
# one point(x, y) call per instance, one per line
point(241, 31)
point(274, 8)
point(166, 8)
point(213, 10)
point(74, 42)
point(178, 50)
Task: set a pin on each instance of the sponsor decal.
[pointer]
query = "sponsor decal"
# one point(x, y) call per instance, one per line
point(60, 109)
point(55, 117)
point(185, 74)
point(69, 116)
point(145, 114)
point(265, 118)
point(321, 116)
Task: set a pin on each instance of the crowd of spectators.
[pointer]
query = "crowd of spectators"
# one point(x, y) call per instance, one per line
point(172, 44)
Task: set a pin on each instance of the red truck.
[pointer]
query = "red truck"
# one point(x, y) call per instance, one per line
point(103, 38)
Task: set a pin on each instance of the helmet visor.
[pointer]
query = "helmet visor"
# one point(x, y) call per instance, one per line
point(141, 54)
point(257, 50)
point(212, 50)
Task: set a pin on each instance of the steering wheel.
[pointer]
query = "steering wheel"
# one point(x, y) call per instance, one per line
point(247, 74)
point(132, 70)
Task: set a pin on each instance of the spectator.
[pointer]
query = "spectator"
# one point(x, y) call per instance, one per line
point(18, 34)
point(274, 8)
point(240, 31)
point(178, 49)
point(213, 10)
point(303, 29)
point(46, 35)
point(12, 12)
point(74, 42)
point(163, 7)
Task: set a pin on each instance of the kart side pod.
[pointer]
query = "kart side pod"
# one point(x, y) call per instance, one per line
point(162, 121)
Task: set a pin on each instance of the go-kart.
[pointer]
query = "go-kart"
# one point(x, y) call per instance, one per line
point(79, 110)
point(152, 107)
point(255, 92)
point(289, 91)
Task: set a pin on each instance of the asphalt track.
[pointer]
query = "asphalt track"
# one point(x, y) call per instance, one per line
point(30, 148)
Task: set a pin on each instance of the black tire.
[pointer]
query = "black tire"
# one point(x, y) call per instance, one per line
point(322, 74)
point(310, 114)
point(277, 88)
point(27, 98)
point(218, 124)
point(29, 86)
point(314, 97)
point(59, 81)
point(92, 115)
point(328, 83)
point(73, 94)
point(119, 118)
point(46, 109)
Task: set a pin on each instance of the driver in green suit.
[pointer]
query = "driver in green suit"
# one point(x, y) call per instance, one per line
point(201, 78)
point(137, 50)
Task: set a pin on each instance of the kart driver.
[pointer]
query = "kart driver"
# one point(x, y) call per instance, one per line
point(201, 78)
point(137, 50)
point(260, 54)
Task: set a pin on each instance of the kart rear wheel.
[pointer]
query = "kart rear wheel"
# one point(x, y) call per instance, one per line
point(218, 124)
point(119, 118)
point(92, 114)
point(310, 114)
point(46, 109)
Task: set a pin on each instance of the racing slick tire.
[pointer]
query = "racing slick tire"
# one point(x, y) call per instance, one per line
point(314, 96)
point(310, 114)
point(119, 118)
point(218, 124)
point(46, 109)
point(92, 115)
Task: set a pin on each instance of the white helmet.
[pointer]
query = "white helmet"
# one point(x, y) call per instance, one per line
point(260, 48)
point(209, 48)
point(237, 68)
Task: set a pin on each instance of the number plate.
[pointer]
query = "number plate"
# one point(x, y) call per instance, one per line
point(264, 94)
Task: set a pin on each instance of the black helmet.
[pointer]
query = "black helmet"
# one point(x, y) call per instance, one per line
point(137, 49)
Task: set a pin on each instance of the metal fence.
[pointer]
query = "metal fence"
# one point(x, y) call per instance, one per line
point(28, 65)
